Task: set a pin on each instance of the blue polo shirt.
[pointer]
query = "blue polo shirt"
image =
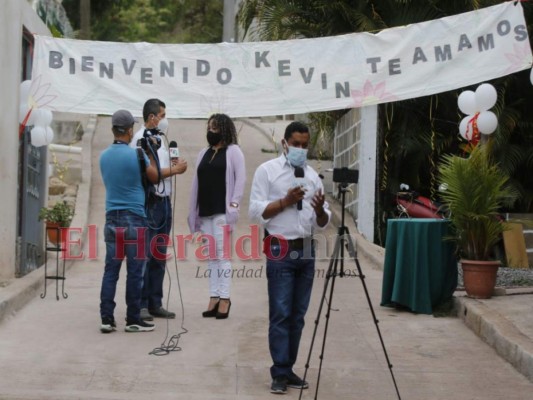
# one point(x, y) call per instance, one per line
point(121, 174)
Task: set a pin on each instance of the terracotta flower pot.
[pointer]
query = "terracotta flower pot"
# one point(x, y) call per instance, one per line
point(55, 233)
point(479, 278)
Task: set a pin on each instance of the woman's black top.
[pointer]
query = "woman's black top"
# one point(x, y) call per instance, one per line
point(212, 183)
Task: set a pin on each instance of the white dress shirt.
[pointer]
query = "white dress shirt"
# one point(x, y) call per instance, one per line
point(164, 187)
point(271, 182)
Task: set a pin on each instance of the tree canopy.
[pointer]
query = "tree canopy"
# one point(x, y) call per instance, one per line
point(155, 21)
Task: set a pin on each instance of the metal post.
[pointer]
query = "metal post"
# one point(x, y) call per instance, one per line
point(85, 19)
point(228, 32)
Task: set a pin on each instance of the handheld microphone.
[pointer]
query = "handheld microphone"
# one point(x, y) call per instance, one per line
point(173, 150)
point(299, 173)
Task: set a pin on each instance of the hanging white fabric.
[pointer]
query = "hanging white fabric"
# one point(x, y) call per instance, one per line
point(285, 77)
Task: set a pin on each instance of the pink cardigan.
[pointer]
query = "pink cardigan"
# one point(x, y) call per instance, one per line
point(235, 180)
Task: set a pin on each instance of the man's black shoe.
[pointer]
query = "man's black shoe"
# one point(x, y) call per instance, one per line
point(145, 315)
point(279, 385)
point(138, 326)
point(108, 325)
point(294, 381)
point(162, 313)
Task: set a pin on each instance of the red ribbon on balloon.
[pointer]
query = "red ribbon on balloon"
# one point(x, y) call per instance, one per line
point(24, 122)
point(474, 139)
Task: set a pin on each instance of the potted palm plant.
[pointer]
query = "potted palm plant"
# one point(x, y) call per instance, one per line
point(57, 216)
point(476, 190)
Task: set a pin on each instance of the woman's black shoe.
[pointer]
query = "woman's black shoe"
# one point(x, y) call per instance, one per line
point(213, 312)
point(225, 315)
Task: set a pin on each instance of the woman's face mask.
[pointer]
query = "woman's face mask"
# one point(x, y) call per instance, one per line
point(213, 138)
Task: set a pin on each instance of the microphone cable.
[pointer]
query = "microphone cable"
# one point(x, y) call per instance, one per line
point(161, 185)
point(171, 344)
point(146, 136)
point(156, 186)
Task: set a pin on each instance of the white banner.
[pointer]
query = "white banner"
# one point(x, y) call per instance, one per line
point(284, 77)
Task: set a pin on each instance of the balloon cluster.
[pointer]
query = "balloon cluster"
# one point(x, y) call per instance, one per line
point(478, 119)
point(31, 115)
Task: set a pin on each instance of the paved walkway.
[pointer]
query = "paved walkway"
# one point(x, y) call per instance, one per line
point(53, 349)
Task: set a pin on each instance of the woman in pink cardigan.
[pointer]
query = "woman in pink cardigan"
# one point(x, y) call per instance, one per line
point(216, 194)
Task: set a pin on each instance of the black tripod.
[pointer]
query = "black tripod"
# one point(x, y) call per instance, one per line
point(343, 239)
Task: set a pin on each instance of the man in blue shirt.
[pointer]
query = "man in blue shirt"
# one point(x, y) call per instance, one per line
point(125, 226)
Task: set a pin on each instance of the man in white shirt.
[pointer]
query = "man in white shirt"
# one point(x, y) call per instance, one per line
point(158, 209)
point(287, 199)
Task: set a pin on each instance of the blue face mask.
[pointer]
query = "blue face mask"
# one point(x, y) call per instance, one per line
point(296, 156)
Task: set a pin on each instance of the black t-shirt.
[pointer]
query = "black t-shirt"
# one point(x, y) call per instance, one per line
point(212, 183)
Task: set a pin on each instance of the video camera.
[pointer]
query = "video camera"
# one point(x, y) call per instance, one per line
point(345, 175)
point(149, 143)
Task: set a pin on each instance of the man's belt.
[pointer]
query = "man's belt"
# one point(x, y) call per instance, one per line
point(292, 244)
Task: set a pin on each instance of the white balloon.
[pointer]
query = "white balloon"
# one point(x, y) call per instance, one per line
point(486, 97)
point(531, 76)
point(463, 127)
point(487, 122)
point(49, 135)
point(23, 111)
point(42, 117)
point(467, 102)
point(38, 136)
point(24, 91)
point(31, 119)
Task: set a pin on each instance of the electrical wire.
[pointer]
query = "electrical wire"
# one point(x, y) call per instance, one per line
point(171, 344)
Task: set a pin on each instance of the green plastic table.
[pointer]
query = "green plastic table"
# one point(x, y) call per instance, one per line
point(420, 270)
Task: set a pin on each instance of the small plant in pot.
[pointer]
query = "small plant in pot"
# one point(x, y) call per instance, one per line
point(57, 216)
point(476, 190)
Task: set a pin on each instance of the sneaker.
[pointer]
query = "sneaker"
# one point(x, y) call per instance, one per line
point(162, 313)
point(294, 381)
point(138, 326)
point(145, 315)
point(279, 385)
point(108, 325)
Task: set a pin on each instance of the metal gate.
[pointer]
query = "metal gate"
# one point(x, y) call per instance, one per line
point(32, 195)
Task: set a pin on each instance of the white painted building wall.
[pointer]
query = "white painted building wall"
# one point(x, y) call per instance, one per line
point(15, 15)
point(355, 147)
point(367, 173)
